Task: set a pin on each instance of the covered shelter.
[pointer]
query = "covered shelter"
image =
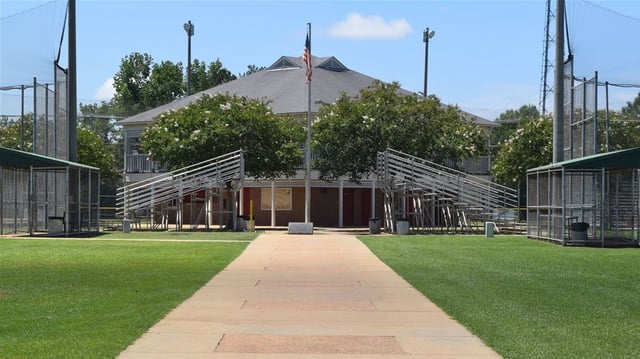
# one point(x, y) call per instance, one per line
point(45, 194)
point(592, 200)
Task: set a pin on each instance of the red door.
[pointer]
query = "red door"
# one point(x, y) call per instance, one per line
point(246, 200)
point(365, 206)
point(347, 207)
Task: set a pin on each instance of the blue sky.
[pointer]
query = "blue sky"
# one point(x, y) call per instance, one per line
point(486, 56)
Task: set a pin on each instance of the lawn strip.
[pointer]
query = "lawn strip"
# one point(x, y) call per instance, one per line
point(524, 298)
point(79, 299)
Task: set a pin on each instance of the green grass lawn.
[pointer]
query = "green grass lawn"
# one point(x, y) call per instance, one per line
point(178, 235)
point(92, 298)
point(524, 298)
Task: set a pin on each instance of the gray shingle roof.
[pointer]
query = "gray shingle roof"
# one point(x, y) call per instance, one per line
point(283, 85)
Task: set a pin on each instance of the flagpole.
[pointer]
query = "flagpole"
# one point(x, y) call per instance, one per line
point(307, 183)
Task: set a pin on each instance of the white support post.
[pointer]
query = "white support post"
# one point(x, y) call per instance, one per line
point(273, 204)
point(179, 208)
point(403, 203)
point(373, 196)
point(341, 204)
point(153, 206)
point(32, 194)
point(207, 209)
point(232, 209)
point(220, 206)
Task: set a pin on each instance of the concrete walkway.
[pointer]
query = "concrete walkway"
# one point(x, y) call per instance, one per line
point(307, 296)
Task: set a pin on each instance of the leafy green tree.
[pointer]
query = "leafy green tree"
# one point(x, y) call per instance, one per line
point(529, 146)
point(104, 108)
point(93, 151)
point(348, 134)
point(103, 125)
point(199, 81)
point(165, 84)
point(17, 134)
point(509, 122)
point(129, 83)
point(205, 76)
point(623, 127)
point(98, 119)
point(219, 124)
point(523, 113)
point(632, 110)
point(141, 84)
point(624, 131)
point(252, 69)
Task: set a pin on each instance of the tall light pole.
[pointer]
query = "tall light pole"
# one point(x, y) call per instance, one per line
point(188, 27)
point(425, 37)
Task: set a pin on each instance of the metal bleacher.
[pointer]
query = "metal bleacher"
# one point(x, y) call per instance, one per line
point(436, 197)
point(163, 194)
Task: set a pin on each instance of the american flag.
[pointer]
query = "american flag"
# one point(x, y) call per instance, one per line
point(306, 57)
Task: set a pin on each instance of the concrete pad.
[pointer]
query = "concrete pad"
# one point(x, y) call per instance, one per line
point(467, 345)
point(299, 296)
point(322, 267)
point(219, 355)
point(307, 283)
point(366, 279)
point(237, 343)
point(374, 318)
point(177, 343)
point(326, 305)
point(288, 327)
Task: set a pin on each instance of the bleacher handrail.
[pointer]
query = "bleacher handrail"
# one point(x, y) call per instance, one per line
point(399, 169)
point(178, 183)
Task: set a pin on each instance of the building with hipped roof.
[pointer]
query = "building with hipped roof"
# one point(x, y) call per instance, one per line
point(282, 85)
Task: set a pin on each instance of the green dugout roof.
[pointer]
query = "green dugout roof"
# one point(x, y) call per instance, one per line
point(21, 159)
point(629, 158)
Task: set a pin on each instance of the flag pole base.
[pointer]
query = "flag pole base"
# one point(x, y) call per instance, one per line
point(300, 228)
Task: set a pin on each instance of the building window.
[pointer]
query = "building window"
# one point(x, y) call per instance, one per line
point(283, 199)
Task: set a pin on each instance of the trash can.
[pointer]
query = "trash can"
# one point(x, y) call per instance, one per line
point(488, 229)
point(374, 225)
point(243, 223)
point(126, 226)
point(56, 225)
point(579, 231)
point(403, 226)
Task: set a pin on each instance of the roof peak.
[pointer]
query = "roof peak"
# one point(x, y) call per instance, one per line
point(293, 62)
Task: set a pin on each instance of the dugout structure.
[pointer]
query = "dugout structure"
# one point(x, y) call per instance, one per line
point(592, 200)
point(41, 194)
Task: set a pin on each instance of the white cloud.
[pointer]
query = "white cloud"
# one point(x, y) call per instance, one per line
point(357, 26)
point(106, 91)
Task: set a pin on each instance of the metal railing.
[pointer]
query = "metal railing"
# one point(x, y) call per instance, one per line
point(174, 185)
point(141, 163)
point(400, 171)
point(476, 166)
